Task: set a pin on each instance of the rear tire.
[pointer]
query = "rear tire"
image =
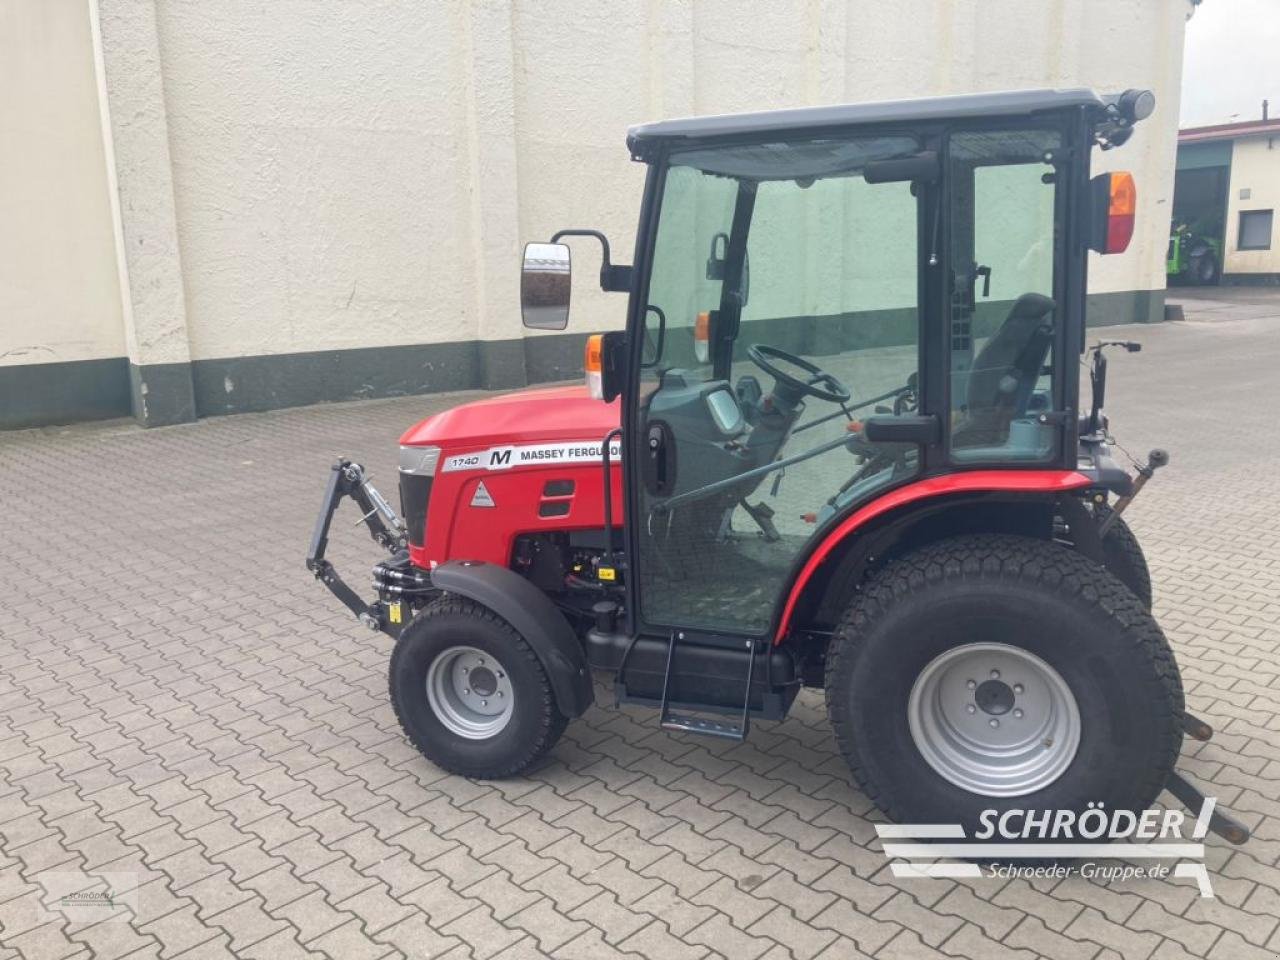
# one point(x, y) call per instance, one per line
point(949, 605)
point(1123, 556)
point(499, 728)
point(1203, 267)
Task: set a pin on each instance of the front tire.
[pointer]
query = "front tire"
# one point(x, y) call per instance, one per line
point(470, 693)
point(1074, 658)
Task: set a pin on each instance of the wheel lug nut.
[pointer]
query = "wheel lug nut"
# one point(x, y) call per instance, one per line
point(499, 693)
point(1017, 688)
point(466, 669)
point(484, 703)
point(995, 674)
point(971, 684)
point(1018, 714)
point(971, 708)
point(467, 691)
point(994, 722)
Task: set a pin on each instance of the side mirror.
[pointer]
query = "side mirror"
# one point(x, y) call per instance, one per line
point(545, 285)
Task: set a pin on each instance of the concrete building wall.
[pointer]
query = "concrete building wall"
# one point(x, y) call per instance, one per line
point(1255, 169)
point(346, 186)
point(60, 306)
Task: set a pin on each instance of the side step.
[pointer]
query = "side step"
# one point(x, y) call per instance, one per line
point(689, 723)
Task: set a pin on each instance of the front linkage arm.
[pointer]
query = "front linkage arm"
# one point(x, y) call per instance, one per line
point(347, 479)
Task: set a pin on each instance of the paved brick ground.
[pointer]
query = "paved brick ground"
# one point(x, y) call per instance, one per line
point(186, 718)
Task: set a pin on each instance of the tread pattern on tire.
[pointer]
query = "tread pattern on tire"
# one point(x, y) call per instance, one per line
point(553, 721)
point(1132, 569)
point(1040, 561)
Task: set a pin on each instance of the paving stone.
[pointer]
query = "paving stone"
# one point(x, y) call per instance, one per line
point(479, 930)
point(349, 942)
point(229, 742)
point(550, 928)
point(312, 915)
point(414, 937)
point(719, 935)
point(969, 941)
point(654, 940)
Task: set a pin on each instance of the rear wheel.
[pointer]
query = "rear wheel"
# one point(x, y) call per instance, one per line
point(1203, 267)
point(1123, 556)
point(1000, 672)
point(470, 693)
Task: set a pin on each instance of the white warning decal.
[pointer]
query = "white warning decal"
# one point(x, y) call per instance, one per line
point(504, 458)
point(482, 497)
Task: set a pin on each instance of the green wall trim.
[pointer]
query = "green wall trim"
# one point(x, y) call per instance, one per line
point(162, 394)
point(54, 393)
point(1197, 156)
point(245, 384)
point(68, 391)
point(1250, 279)
point(1125, 306)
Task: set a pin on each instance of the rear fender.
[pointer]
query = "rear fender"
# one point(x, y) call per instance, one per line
point(533, 616)
point(900, 502)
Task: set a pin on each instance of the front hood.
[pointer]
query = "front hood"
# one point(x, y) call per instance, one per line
point(549, 413)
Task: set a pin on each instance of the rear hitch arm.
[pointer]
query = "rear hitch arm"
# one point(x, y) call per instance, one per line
point(347, 479)
point(1193, 798)
point(1155, 460)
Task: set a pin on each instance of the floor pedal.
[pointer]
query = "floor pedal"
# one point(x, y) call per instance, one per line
point(688, 723)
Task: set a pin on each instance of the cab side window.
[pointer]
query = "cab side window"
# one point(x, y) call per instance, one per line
point(1004, 257)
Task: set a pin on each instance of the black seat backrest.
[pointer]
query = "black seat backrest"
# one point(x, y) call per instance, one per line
point(1005, 372)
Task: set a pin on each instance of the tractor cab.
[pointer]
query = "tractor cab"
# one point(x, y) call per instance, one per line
point(839, 444)
point(831, 304)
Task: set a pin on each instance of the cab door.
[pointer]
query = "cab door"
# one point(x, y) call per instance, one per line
point(784, 290)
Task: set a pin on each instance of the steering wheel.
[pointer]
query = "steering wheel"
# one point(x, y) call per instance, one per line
point(764, 357)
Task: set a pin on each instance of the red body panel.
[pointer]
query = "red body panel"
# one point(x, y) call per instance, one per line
point(457, 529)
point(1020, 481)
point(462, 527)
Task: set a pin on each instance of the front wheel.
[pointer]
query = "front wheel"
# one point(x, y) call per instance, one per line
point(1001, 672)
point(470, 693)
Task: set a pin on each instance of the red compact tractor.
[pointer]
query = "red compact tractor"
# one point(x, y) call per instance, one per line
point(839, 444)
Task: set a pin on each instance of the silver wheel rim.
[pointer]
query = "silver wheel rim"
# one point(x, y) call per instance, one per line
point(994, 719)
point(470, 692)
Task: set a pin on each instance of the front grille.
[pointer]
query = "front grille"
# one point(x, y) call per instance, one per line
point(415, 494)
point(417, 469)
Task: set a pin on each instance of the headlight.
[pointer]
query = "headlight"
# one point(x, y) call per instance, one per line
point(419, 461)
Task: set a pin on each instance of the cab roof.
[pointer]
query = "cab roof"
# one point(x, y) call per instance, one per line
point(642, 138)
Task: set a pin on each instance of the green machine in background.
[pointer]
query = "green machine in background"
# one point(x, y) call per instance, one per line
point(1193, 257)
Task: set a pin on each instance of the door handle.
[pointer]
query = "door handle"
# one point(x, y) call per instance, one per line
point(659, 466)
point(985, 273)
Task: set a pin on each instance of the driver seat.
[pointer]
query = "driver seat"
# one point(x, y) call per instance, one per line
point(1005, 372)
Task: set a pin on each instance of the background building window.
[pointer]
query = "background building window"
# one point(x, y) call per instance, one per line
point(1255, 229)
